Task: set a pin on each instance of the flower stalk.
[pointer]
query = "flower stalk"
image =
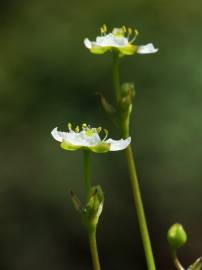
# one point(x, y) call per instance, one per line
point(176, 261)
point(116, 79)
point(86, 168)
point(124, 127)
point(94, 250)
point(91, 219)
point(140, 209)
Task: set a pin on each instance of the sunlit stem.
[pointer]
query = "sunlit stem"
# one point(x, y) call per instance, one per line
point(91, 229)
point(176, 261)
point(94, 250)
point(140, 209)
point(133, 175)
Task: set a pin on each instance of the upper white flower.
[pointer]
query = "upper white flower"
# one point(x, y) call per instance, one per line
point(118, 40)
point(88, 138)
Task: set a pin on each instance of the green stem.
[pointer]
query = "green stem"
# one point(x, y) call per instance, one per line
point(94, 250)
point(176, 261)
point(116, 79)
point(91, 232)
point(124, 126)
point(86, 167)
point(140, 209)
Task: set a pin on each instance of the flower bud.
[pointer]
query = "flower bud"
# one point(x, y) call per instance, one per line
point(176, 236)
point(128, 89)
point(127, 95)
point(93, 208)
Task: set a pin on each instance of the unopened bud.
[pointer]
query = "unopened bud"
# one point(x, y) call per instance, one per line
point(128, 89)
point(176, 236)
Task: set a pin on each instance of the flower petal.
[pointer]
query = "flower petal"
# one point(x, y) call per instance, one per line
point(82, 139)
point(87, 43)
point(57, 135)
point(148, 48)
point(116, 145)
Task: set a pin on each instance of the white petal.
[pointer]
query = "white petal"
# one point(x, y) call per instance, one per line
point(111, 41)
point(82, 139)
point(148, 48)
point(118, 145)
point(57, 135)
point(87, 43)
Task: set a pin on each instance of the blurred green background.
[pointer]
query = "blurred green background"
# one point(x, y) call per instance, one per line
point(48, 78)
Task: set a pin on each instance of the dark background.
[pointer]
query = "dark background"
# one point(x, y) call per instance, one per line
point(48, 78)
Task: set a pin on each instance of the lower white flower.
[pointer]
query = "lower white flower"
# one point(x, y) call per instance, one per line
point(88, 138)
point(118, 39)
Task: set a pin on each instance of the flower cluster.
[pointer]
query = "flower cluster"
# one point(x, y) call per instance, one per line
point(88, 138)
point(120, 40)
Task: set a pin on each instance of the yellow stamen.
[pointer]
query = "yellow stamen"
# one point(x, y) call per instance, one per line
point(77, 129)
point(136, 32)
point(129, 31)
point(84, 126)
point(104, 28)
point(69, 125)
point(124, 29)
point(106, 133)
point(98, 129)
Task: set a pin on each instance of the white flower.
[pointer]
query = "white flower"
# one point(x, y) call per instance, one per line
point(88, 138)
point(119, 41)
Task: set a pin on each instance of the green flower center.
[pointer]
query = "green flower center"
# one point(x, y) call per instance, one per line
point(90, 132)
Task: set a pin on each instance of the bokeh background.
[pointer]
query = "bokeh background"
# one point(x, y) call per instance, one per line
point(48, 78)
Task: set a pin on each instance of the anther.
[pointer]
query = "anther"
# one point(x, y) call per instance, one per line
point(106, 133)
point(104, 28)
point(84, 126)
point(77, 129)
point(124, 29)
point(98, 129)
point(69, 125)
point(129, 31)
point(136, 32)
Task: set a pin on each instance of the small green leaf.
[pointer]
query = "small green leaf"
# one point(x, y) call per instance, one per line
point(197, 265)
point(76, 202)
point(109, 109)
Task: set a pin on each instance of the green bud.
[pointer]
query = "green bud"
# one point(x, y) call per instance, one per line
point(127, 95)
point(91, 211)
point(176, 236)
point(128, 89)
point(93, 208)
